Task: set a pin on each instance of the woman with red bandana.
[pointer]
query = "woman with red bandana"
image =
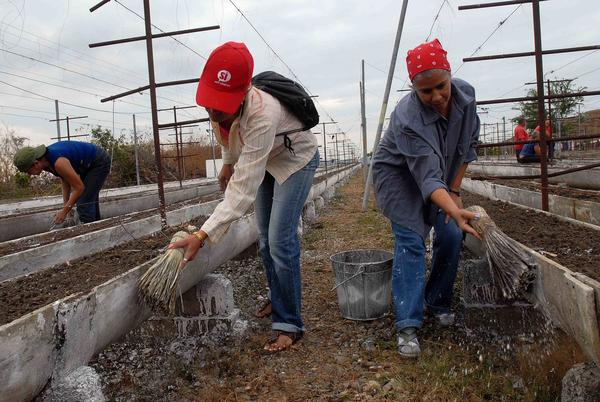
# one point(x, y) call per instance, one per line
point(417, 172)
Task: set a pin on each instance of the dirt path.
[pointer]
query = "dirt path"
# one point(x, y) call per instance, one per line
point(339, 359)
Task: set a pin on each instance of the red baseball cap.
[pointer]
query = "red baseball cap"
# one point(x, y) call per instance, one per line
point(225, 78)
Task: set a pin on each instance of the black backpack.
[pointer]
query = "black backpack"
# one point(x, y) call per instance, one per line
point(293, 97)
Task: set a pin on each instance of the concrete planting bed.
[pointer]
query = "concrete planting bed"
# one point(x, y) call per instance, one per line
point(63, 335)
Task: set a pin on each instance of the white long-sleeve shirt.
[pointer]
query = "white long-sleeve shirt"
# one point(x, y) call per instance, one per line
point(253, 147)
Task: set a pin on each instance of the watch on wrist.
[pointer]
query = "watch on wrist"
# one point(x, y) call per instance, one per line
point(455, 192)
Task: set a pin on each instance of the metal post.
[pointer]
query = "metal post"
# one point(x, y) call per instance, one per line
point(177, 146)
point(135, 148)
point(337, 155)
point(579, 119)
point(503, 128)
point(484, 135)
point(325, 148)
point(57, 118)
point(68, 130)
point(212, 147)
point(386, 96)
point(363, 119)
point(156, 136)
point(539, 72)
point(549, 118)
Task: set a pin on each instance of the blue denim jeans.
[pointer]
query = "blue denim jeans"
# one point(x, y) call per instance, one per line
point(409, 289)
point(88, 204)
point(278, 208)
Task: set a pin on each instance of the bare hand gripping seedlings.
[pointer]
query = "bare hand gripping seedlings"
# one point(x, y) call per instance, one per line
point(159, 286)
point(512, 268)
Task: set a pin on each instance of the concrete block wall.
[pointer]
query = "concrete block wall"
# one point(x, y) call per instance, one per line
point(570, 300)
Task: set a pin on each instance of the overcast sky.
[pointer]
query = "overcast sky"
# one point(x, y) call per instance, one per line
point(322, 41)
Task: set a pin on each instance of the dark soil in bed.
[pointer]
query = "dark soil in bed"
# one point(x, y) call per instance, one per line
point(573, 246)
point(535, 185)
point(25, 294)
point(67, 233)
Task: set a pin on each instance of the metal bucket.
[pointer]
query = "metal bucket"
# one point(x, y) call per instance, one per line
point(364, 283)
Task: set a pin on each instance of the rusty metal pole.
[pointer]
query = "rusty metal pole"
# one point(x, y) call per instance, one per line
point(68, 130)
point(384, 104)
point(154, 109)
point(539, 72)
point(325, 147)
point(363, 120)
point(177, 146)
point(549, 118)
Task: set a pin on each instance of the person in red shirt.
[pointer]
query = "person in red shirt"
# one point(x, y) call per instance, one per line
point(548, 137)
point(520, 135)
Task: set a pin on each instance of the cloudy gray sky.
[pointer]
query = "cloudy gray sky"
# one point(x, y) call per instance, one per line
point(44, 54)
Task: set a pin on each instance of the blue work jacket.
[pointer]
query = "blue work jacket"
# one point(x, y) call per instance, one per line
point(422, 151)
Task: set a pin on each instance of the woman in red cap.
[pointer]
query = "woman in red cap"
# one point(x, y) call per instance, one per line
point(417, 172)
point(258, 168)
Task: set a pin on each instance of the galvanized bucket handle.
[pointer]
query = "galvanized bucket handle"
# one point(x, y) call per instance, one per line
point(361, 270)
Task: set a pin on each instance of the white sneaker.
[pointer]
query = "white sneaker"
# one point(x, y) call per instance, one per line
point(408, 345)
point(445, 319)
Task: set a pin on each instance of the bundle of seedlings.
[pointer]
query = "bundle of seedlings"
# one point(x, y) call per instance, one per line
point(159, 286)
point(512, 268)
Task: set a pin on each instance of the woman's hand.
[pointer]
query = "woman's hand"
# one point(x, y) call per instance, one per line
point(462, 218)
point(224, 175)
point(458, 201)
point(191, 244)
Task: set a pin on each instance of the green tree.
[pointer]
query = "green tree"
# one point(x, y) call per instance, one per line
point(122, 156)
point(560, 108)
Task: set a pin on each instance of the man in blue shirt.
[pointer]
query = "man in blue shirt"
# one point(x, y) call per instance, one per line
point(82, 168)
point(417, 172)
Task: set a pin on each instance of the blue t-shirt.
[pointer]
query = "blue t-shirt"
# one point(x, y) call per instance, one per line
point(528, 149)
point(81, 155)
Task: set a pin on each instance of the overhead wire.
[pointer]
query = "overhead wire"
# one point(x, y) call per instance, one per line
point(158, 28)
point(81, 74)
point(80, 55)
point(281, 59)
point(437, 16)
point(500, 24)
point(64, 87)
point(61, 101)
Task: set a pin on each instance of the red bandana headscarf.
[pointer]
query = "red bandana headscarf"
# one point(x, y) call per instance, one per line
point(427, 56)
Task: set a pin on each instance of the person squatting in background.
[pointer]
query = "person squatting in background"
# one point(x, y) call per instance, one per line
point(531, 152)
point(417, 173)
point(82, 168)
point(257, 168)
point(520, 135)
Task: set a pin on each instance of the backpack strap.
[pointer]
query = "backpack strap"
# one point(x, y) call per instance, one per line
point(286, 140)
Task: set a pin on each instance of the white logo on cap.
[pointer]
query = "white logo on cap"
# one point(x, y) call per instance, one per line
point(223, 76)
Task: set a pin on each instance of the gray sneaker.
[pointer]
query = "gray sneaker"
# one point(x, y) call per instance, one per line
point(445, 319)
point(408, 344)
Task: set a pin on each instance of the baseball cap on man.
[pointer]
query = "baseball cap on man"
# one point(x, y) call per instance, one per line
point(26, 156)
point(225, 78)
